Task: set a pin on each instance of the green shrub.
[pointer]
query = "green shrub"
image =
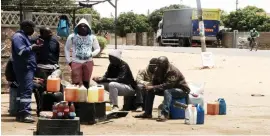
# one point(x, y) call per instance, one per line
point(102, 42)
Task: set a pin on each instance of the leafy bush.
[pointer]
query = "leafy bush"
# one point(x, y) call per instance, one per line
point(102, 42)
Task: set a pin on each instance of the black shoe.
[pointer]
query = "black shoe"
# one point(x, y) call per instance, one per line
point(27, 119)
point(143, 116)
point(38, 113)
point(18, 118)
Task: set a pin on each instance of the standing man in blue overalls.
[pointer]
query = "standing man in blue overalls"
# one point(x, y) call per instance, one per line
point(24, 65)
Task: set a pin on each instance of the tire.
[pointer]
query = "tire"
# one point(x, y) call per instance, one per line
point(257, 45)
point(159, 42)
point(181, 42)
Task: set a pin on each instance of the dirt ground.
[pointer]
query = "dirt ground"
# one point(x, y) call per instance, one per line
point(233, 78)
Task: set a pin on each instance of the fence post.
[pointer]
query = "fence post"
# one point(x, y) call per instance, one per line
point(235, 32)
point(27, 16)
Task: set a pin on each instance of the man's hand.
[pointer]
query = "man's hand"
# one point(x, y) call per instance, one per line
point(97, 78)
point(149, 87)
point(35, 47)
point(70, 64)
point(38, 80)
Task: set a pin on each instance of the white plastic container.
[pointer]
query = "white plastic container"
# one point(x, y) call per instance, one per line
point(82, 94)
point(191, 115)
point(196, 93)
point(196, 100)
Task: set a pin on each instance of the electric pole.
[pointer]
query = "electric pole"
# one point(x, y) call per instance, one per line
point(236, 5)
point(201, 25)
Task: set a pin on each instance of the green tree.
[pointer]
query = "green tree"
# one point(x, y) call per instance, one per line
point(157, 15)
point(223, 17)
point(106, 24)
point(131, 23)
point(247, 18)
point(95, 16)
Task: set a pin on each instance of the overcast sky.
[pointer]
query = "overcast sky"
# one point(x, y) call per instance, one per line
point(141, 7)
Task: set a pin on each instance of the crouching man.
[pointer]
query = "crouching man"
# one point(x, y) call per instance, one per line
point(144, 78)
point(167, 81)
point(118, 79)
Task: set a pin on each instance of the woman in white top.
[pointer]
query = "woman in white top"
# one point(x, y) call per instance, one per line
point(84, 47)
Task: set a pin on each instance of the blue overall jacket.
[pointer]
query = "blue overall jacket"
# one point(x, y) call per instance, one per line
point(22, 54)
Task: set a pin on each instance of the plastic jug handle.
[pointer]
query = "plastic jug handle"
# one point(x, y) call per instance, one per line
point(219, 99)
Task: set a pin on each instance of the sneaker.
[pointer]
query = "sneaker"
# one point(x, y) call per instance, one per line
point(139, 109)
point(143, 116)
point(27, 119)
point(162, 118)
point(115, 109)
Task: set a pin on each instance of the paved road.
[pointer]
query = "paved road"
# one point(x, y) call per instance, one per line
point(197, 50)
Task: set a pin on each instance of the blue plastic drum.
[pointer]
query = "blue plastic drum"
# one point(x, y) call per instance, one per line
point(177, 113)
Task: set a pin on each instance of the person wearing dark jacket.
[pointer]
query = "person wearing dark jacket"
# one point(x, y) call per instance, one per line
point(144, 78)
point(49, 52)
point(48, 55)
point(167, 81)
point(47, 61)
point(24, 65)
point(119, 77)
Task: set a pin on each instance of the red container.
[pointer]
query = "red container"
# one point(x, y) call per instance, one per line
point(212, 108)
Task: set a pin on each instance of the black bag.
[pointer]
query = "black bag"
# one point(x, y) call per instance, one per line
point(48, 99)
point(9, 73)
point(129, 103)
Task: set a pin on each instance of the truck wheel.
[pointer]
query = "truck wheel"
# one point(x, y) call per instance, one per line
point(159, 42)
point(181, 42)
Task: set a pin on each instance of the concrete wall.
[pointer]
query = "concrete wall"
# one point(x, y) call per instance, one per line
point(264, 39)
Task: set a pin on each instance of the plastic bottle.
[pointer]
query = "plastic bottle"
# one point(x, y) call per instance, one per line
point(222, 106)
point(188, 114)
point(191, 115)
point(100, 93)
point(93, 94)
point(60, 110)
point(72, 113)
point(53, 84)
point(200, 114)
point(82, 93)
point(54, 111)
point(66, 110)
point(194, 114)
point(71, 93)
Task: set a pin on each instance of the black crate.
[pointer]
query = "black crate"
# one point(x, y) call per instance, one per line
point(90, 113)
point(58, 127)
point(129, 103)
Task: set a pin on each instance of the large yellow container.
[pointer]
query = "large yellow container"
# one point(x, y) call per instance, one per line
point(93, 94)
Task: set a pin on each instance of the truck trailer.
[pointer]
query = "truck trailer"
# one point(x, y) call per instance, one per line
point(180, 27)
